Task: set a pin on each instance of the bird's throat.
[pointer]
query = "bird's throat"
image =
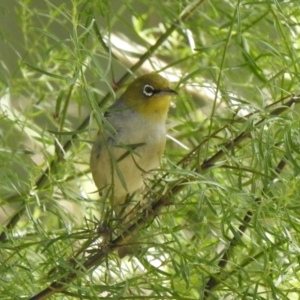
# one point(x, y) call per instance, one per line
point(155, 109)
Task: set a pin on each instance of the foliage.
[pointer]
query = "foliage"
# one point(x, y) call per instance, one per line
point(223, 220)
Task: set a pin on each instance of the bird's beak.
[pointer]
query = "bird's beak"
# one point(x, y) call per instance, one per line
point(168, 91)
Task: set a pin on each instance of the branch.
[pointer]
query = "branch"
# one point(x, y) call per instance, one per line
point(147, 215)
point(215, 279)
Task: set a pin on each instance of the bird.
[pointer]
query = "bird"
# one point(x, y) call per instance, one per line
point(131, 142)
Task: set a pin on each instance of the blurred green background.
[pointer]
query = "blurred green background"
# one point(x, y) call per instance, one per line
point(232, 229)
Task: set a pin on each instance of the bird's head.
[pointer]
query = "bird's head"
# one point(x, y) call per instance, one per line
point(150, 96)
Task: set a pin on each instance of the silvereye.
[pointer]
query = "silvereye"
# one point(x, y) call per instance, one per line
point(132, 141)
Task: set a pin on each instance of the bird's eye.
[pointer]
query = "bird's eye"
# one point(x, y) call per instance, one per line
point(148, 90)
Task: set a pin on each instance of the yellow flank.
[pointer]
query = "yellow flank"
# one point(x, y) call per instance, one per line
point(123, 158)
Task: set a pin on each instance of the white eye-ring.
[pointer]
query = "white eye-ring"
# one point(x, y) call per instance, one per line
point(148, 90)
